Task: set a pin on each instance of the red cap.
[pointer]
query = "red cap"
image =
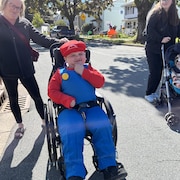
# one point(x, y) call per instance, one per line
point(72, 46)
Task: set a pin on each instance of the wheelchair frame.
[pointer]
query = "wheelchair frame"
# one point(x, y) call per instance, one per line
point(51, 111)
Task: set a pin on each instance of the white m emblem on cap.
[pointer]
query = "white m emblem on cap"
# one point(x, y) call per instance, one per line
point(72, 46)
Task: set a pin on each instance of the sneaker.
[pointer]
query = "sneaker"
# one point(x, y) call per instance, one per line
point(156, 96)
point(114, 173)
point(75, 178)
point(150, 98)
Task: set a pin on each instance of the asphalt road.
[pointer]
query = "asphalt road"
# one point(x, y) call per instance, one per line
point(147, 147)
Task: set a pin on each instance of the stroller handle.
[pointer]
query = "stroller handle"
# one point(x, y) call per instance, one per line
point(163, 55)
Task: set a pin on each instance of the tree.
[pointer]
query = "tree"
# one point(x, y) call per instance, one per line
point(37, 6)
point(96, 8)
point(71, 8)
point(143, 6)
point(37, 20)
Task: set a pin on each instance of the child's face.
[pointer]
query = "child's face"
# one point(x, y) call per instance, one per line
point(178, 64)
point(75, 58)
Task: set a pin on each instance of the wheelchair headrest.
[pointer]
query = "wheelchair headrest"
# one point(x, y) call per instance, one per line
point(57, 57)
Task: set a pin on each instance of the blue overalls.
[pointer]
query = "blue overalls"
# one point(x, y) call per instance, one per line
point(72, 127)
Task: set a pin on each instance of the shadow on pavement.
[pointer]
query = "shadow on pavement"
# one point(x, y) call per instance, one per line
point(54, 174)
point(176, 128)
point(24, 169)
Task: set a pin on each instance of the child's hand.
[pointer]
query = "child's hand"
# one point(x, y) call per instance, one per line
point(63, 40)
point(73, 103)
point(79, 68)
point(178, 86)
point(174, 78)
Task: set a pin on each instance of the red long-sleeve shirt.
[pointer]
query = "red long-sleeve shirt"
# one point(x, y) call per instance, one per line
point(91, 75)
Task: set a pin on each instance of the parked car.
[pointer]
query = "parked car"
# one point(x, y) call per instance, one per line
point(62, 31)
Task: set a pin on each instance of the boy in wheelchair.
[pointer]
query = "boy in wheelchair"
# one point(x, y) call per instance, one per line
point(73, 87)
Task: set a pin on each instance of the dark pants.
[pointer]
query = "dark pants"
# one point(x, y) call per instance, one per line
point(32, 87)
point(155, 64)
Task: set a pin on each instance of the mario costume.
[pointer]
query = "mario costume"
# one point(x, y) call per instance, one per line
point(73, 122)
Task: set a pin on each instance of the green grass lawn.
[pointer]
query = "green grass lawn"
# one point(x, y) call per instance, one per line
point(123, 39)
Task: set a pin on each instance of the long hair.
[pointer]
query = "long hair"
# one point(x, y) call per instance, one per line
point(3, 3)
point(173, 17)
point(172, 14)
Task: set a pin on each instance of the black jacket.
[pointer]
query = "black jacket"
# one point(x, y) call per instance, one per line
point(158, 27)
point(15, 56)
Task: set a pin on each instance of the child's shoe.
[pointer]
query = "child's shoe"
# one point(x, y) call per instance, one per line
point(114, 173)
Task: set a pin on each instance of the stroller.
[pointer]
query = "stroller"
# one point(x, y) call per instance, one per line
point(168, 91)
point(52, 111)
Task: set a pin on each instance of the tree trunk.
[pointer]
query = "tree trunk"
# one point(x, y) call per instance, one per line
point(143, 6)
point(71, 23)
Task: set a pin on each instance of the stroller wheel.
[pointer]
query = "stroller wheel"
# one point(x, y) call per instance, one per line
point(171, 119)
point(168, 115)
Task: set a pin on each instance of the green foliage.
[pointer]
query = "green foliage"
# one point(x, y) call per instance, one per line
point(95, 8)
point(34, 6)
point(87, 28)
point(60, 23)
point(72, 8)
point(37, 20)
point(122, 39)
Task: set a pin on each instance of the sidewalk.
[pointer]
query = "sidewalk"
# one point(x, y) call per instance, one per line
point(7, 121)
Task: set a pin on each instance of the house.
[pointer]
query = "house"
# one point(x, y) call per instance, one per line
point(123, 15)
point(130, 17)
point(114, 16)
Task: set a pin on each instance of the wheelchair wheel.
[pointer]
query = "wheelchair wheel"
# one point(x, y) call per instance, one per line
point(50, 133)
point(107, 107)
point(112, 118)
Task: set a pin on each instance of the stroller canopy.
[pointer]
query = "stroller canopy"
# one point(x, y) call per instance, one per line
point(170, 56)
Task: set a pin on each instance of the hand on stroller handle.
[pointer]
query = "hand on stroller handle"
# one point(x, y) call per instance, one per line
point(166, 39)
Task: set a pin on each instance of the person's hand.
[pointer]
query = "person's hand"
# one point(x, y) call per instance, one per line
point(166, 39)
point(79, 68)
point(63, 40)
point(174, 78)
point(178, 86)
point(73, 103)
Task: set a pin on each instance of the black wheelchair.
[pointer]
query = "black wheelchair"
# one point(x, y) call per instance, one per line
point(52, 110)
